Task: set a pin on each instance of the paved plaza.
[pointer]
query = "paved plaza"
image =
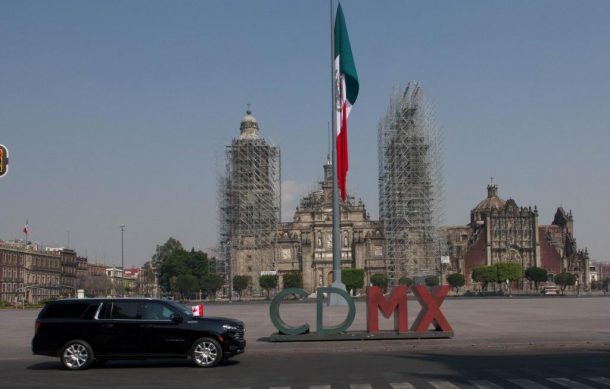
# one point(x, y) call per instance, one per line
point(502, 322)
point(519, 342)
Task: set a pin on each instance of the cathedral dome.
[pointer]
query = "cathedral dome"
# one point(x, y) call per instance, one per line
point(492, 201)
point(249, 127)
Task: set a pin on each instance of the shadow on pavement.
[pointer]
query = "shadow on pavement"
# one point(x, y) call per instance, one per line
point(133, 364)
point(481, 363)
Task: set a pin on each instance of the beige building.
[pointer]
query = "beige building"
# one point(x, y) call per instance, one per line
point(30, 273)
point(305, 244)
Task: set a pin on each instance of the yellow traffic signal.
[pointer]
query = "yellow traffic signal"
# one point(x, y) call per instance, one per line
point(3, 160)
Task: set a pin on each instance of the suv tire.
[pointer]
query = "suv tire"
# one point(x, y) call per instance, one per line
point(206, 352)
point(76, 355)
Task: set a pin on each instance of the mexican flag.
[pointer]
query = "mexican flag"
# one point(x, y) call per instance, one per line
point(346, 82)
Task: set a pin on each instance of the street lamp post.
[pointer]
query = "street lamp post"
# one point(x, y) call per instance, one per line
point(122, 261)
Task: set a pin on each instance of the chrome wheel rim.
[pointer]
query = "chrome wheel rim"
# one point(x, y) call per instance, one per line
point(75, 356)
point(205, 353)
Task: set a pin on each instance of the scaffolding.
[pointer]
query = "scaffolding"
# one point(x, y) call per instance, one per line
point(249, 199)
point(410, 186)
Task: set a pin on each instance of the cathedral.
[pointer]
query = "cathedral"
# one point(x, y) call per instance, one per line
point(502, 231)
point(305, 244)
point(254, 241)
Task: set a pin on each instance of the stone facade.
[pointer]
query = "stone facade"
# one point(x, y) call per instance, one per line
point(31, 274)
point(501, 231)
point(305, 244)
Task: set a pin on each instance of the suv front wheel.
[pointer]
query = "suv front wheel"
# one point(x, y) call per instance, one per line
point(76, 355)
point(206, 352)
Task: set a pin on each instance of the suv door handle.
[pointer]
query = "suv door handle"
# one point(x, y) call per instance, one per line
point(146, 325)
point(109, 325)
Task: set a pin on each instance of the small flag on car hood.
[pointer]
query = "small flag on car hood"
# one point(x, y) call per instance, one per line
point(197, 310)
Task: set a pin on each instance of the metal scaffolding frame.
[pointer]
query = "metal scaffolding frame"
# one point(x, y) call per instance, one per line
point(249, 197)
point(410, 185)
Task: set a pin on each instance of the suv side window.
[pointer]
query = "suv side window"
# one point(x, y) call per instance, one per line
point(155, 311)
point(122, 310)
point(65, 311)
point(126, 310)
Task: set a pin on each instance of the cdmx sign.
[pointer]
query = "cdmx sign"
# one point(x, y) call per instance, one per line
point(396, 304)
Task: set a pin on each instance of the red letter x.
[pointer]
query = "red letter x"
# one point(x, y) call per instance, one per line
point(430, 312)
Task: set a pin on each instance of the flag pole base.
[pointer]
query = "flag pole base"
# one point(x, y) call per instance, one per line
point(335, 299)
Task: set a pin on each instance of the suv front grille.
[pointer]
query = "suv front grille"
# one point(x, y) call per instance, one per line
point(239, 334)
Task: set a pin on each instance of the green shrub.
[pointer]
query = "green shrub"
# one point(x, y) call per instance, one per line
point(456, 280)
point(537, 275)
point(240, 283)
point(293, 279)
point(380, 280)
point(564, 280)
point(431, 281)
point(352, 278)
point(405, 281)
point(268, 282)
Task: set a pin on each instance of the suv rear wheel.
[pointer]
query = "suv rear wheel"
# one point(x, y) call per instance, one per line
point(206, 352)
point(76, 355)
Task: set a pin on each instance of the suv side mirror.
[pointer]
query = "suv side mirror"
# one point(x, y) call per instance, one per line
point(175, 318)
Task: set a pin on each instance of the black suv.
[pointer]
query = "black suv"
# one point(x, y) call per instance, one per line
point(80, 331)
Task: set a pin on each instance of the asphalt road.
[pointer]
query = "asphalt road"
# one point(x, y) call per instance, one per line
point(454, 369)
point(499, 343)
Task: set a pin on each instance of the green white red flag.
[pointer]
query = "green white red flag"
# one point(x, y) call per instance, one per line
point(346, 80)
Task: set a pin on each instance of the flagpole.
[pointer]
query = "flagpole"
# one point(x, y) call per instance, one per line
point(335, 299)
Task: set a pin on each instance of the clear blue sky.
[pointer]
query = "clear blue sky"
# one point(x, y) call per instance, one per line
point(118, 111)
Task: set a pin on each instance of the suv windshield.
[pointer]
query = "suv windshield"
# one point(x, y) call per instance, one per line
point(181, 308)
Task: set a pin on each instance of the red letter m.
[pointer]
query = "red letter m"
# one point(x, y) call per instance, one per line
point(397, 303)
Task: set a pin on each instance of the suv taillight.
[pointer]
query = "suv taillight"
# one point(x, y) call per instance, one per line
point(36, 326)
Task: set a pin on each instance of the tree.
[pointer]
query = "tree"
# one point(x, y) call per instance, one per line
point(606, 285)
point(456, 280)
point(537, 275)
point(293, 279)
point(176, 261)
point(380, 280)
point(268, 282)
point(431, 281)
point(511, 271)
point(508, 271)
point(485, 275)
point(405, 281)
point(186, 285)
point(211, 283)
point(564, 280)
point(240, 283)
point(165, 251)
point(146, 281)
point(353, 279)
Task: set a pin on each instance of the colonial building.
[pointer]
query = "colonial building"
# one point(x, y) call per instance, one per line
point(253, 241)
point(31, 274)
point(305, 244)
point(501, 231)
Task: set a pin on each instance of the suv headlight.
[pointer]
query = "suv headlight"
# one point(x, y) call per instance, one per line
point(229, 327)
